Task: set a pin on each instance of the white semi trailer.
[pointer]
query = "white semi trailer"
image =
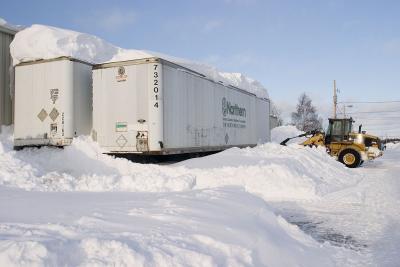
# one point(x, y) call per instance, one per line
point(155, 107)
point(53, 102)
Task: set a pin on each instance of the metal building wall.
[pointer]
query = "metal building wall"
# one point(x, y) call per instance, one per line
point(6, 102)
point(273, 121)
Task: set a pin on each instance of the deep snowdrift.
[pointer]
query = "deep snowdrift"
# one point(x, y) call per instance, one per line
point(214, 217)
point(45, 42)
point(278, 134)
point(272, 171)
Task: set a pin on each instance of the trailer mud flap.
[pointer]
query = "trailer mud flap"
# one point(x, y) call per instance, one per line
point(142, 143)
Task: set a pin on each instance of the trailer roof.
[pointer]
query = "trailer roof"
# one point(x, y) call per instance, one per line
point(172, 64)
point(143, 61)
point(39, 61)
point(8, 30)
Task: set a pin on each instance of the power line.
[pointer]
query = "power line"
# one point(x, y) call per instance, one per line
point(371, 116)
point(368, 102)
point(350, 113)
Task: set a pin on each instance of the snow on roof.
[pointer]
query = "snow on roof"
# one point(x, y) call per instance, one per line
point(44, 42)
point(9, 27)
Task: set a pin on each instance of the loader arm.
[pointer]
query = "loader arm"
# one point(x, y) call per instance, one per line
point(309, 133)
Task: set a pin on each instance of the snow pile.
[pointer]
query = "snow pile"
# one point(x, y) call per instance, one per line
point(218, 227)
point(271, 171)
point(82, 167)
point(278, 134)
point(241, 81)
point(209, 211)
point(393, 146)
point(45, 42)
point(274, 172)
point(3, 22)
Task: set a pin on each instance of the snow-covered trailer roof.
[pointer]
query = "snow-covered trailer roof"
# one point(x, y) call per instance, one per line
point(39, 61)
point(45, 42)
point(8, 30)
point(172, 64)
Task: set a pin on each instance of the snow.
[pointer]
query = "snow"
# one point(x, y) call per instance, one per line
point(393, 146)
point(200, 212)
point(45, 42)
point(273, 172)
point(9, 26)
point(216, 227)
point(278, 134)
point(365, 217)
point(264, 206)
point(83, 167)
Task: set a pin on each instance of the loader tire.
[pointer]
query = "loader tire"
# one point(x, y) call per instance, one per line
point(350, 158)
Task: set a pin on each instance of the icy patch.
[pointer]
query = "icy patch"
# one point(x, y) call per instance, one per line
point(45, 42)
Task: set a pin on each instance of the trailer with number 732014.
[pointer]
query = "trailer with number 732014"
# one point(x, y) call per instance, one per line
point(153, 106)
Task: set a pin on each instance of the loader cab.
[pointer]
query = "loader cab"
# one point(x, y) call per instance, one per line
point(338, 130)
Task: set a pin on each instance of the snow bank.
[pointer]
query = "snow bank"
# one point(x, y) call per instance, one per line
point(22, 253)
point(208, 211)
point(45, 42)
point(216, 227)
point(278, 134)
point(271, 171)
point(274, 172)
point(82, 167)
point(393, 146)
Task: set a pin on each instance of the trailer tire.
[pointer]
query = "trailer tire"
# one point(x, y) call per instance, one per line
point(350, 158)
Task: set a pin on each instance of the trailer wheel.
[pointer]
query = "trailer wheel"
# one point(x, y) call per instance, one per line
point(350, 157)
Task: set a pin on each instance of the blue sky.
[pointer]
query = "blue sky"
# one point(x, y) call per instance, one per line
point(291, 46)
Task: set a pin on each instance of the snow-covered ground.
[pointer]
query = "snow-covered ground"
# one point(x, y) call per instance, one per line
point(264, 206)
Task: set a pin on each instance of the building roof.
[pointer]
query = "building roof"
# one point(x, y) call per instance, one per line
point(8, 29)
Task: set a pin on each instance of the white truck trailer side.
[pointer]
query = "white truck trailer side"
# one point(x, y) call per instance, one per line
point(53, 102)
point(153, 106)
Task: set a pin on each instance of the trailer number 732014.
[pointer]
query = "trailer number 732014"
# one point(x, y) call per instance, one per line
point(155, 85)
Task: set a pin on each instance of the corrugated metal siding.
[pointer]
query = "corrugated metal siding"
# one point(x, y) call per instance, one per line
point(6, 104)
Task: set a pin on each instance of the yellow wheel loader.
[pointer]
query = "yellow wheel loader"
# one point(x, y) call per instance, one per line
point(350, 148)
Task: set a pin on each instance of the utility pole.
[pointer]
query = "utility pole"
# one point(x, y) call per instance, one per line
point(334, 99)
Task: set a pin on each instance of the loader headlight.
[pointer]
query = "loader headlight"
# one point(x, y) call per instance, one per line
point(359, 139)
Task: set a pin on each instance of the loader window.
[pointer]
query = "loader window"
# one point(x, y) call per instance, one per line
point(336, 128)
point(347, 127)
point(338, 131)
